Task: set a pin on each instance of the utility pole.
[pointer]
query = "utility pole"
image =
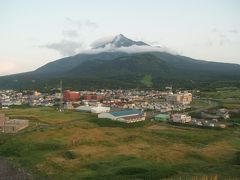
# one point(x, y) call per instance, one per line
point(61, 97)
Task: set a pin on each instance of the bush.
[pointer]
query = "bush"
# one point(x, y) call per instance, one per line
point(12, 148)
point(237, 158)
point(69, 155)
point(127, 167)
point(111, 123)
point(131, 171)
point(50, 145)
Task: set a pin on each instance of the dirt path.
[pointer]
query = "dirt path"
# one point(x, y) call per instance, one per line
point(9, 172)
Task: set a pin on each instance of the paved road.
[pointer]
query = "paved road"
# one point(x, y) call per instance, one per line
point(9, 172)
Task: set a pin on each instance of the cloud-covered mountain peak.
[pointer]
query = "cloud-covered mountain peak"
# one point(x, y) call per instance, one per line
point(117, 42)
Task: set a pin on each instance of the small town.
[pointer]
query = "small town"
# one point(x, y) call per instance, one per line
point(127, 106)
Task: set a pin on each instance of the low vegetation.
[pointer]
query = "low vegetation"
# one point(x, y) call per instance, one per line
point(74, 145)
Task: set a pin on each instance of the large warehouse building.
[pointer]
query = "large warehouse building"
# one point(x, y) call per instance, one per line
point(127, 116)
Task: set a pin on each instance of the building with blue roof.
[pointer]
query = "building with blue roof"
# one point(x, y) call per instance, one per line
point(128, 116)
point(125, 112)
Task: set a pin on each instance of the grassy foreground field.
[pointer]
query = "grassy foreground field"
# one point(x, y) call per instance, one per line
point(73, 145)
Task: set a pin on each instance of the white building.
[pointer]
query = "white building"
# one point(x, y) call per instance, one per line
point(100, 109)
point(180, 98)
point(84, 108)
point(68, 105)
point(181, 118)
point(93, 109)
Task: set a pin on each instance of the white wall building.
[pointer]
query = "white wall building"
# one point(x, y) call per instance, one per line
point(93, 109)
point(181, 118)
point(180, 98)
point(100, 109)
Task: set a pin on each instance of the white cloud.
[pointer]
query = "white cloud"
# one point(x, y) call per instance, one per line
point(214, 30)
point(74, 23)
point(130, 49)
point(91, 24)
point(70, 33)
point(209, 43)
point(102, 41)
point(224, 40)
point(235, 31)
point(65, 47)
point(79, 24)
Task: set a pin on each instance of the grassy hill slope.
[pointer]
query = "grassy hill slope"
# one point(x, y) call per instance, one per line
point(73, 145)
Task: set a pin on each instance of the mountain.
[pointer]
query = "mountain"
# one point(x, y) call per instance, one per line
point(119, 62)
point(116, 41)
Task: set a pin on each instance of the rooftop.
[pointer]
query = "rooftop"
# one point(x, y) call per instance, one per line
point(162, 115)
point(126, 112)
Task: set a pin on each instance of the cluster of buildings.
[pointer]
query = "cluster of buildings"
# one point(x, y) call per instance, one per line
point(11, 97)
point(129, 106)
point(163, 101)
point(103, 101)
point(207, 118)
point(33, 98)
point(212, 118)
point(216, 114)
point(182, 118)
point(120, 105)
point(208, 123)
point(126, 105)
point(175, 117)
point(12, 125)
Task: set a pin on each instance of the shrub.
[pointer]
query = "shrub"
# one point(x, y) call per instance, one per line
point(237, 158)
point(69, 155)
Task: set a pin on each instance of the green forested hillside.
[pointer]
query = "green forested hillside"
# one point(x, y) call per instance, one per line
point(123, 70)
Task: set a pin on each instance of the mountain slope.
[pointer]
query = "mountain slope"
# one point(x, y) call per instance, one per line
point(142, 64)
point(68, 63)
point(115, 68)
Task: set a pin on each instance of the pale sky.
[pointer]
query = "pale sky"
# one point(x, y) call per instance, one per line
point(34, 32)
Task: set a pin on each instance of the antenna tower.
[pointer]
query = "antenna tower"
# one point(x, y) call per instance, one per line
point(61, 97)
